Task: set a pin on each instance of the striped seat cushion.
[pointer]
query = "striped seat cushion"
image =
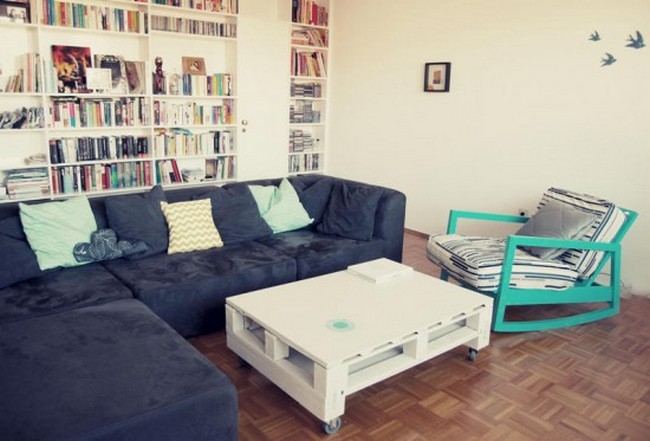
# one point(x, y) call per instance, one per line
point(609, 221)
point(477, 261)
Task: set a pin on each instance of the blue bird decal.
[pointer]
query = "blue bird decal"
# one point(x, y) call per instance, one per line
point(609, 60)
point(636, 43)
point(594, 36)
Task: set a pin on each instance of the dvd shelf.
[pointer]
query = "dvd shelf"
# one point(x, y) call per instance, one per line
point(102, 97)
point(308, 70)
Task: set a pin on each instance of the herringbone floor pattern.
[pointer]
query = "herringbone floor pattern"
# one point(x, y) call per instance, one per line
point(590, 382)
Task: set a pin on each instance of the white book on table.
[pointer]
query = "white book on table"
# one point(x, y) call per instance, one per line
point(379, 270)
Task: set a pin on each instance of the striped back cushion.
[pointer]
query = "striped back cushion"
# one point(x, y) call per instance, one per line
point(609, 221)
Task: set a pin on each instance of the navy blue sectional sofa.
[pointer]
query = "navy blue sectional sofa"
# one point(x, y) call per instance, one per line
point(98, 352)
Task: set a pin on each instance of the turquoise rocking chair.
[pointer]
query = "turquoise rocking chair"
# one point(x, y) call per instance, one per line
point(510, 270)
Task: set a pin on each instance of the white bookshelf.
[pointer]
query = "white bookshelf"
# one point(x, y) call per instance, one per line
point(141, 43)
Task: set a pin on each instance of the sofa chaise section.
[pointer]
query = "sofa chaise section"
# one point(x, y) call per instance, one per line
point(108, 372)
point(188, 290)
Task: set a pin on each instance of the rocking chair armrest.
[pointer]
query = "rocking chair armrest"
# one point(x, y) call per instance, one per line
point(550, 242)
point(611, 249)
point(456, 215)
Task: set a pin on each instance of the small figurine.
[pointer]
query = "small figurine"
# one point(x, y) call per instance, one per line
point(158, 77)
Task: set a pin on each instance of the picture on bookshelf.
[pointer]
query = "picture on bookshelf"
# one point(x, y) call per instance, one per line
point(193, 65)
point(437, 77)
point(135, 76)
point(118, 71)
point(98, 80)
point(71, 63)
point(14, 10)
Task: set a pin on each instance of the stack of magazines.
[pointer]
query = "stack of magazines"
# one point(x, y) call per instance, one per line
point(27, 183)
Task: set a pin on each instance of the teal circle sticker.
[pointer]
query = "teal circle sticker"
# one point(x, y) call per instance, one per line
point(340, 325)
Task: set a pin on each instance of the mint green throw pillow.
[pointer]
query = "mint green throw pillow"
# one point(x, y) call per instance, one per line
point(280, 207)
point(54, 228)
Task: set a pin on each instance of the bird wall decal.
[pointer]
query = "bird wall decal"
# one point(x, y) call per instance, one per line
point(594, 36)
point(636, 43)
point(608, 60)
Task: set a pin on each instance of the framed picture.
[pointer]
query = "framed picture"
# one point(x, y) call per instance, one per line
point(193, 65)
point(115, 63)
point(135, 76)
point(16, 11)
point(71, 63)
point(99, 80)
point(437, 77)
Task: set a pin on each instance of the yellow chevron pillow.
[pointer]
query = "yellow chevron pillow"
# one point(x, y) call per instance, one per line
point(191, 227)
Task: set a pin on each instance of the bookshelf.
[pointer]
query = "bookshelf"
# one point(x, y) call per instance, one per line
point(310, 36)
point(117, 96)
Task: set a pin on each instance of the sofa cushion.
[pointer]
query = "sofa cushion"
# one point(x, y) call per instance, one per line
point(109, 372)
point(313, 195)
point(23, 264)
point(139, 218)
point(555, 220)
point(54, 228)
point(188, 290)
point(280, 206)
point(318, 253)
point(191, 227)
point(60, 290)
point(235, 214)
point(351, 211)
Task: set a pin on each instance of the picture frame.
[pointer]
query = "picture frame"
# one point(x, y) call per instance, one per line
point(437, 77)
point(115, 63)
point(193, 65)
point(99, 80)
point(15, 11)
point(71, 63)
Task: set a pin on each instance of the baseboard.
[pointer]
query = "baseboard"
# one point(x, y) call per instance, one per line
point(416, 233)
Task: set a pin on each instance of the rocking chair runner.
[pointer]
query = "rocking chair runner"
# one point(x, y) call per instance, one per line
point(541, 266)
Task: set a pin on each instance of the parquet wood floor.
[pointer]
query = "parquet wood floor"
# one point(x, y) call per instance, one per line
point(590, 382)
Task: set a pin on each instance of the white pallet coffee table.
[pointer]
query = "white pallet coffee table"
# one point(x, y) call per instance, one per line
point(324, 338)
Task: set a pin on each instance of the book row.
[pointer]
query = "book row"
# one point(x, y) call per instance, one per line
point(84, 16)
point(27, 78)
point(170, 113)
point(303, 112)
point(67, 150)
point(97, 177)
point(76, 112)
point(193, 27)
point(304, 163)
point(306, 63)
point(306, 90)
point(300, 141)
point(218, 84)
point(220, 169)
point(182, 142)
point(309, 12)
point(223, 6)
point(309, 37)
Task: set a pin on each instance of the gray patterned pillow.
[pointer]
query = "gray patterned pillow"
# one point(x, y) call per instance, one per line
point(556, 220)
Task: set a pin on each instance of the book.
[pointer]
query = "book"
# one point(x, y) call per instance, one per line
point(117, 67)
point(71, 63)
point(380, 270)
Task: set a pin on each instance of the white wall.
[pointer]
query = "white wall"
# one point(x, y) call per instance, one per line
point(530, 106)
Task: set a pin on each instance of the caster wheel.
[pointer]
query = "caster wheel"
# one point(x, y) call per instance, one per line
point(472, 354)
point(333, 426)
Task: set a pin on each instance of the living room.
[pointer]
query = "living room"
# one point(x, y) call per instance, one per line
point(530, 103)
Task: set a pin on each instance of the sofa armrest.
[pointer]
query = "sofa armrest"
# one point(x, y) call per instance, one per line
point(389, 222)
